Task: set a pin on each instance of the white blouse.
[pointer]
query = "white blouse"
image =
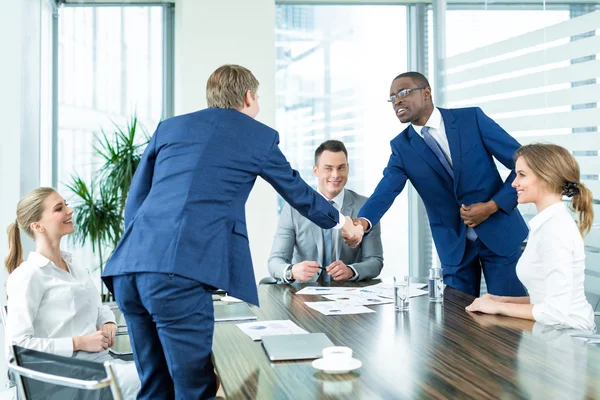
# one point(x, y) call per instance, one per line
point(552, 269)
point(47, 306)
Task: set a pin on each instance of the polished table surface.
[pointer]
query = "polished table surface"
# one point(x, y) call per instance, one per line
point(431, 351)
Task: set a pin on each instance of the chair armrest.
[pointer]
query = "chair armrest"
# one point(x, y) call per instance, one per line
point(58, 380)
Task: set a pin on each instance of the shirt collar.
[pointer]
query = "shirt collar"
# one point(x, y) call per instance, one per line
point(536, 222)
point(434, 121)
point(338, 200)
point(41, 261)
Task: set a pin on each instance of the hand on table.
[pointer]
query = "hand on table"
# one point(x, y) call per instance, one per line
point(339, 271)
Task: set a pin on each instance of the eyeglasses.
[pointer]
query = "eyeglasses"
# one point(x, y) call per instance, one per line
point(403, 93)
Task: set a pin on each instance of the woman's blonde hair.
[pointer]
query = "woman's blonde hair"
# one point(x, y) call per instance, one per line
point(29, 210)
point(227, 86)
point(556, 167)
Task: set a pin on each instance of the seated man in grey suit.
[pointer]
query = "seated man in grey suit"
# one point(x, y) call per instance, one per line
point(304, 252)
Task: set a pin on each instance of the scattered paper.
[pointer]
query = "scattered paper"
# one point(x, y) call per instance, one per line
point(316, 290)
point(337, 307)
point(387, 290)
point(230, 299)
point(256, 330)
point(361, 299)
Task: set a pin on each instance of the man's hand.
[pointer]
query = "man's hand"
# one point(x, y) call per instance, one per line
point(339, 271)
point(484, 305)
point(110, 328)
point(305, 270)
point(352, 234)
point(361, 222)
point(475, 214)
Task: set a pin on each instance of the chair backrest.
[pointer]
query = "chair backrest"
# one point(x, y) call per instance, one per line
point(51, 377)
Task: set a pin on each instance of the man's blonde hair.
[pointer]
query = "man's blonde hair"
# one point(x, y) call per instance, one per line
point(227, 86)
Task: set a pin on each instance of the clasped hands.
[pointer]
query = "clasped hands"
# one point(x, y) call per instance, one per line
point(352, 232)
point(476, 213)
point(306, 270)
point(97, 341)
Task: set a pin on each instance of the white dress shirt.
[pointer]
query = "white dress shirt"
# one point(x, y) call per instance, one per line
point(436, 126)
point(552, 269)
point(47, 306)
point(338, 202)
point(437, 129)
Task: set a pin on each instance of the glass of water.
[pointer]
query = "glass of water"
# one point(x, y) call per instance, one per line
point(401, 293)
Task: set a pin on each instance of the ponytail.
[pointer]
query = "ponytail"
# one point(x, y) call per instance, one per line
point(15, 249)
point(29, 210)
point(583, 204)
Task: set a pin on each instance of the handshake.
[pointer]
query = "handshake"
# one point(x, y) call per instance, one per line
point(353, 231)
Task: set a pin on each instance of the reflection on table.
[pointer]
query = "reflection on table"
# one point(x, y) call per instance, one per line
point(431, 351)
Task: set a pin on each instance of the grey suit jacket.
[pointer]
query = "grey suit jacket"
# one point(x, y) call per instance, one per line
point(297, 239)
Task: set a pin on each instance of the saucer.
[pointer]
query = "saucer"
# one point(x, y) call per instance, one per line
point(331, 368)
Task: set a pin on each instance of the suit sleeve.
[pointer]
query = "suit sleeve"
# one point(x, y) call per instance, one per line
point(503, 147)
point(390, 186)
point(283, 244)
point(371, 261)
point(142, 180)
point(288, 183)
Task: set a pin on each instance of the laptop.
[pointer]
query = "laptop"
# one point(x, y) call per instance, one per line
point(233, 312)
point(304, 346)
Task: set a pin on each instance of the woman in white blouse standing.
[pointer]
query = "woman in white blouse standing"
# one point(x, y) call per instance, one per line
point(553, 263)
point(53, 305)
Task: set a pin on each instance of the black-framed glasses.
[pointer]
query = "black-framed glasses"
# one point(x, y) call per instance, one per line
point(403, 93)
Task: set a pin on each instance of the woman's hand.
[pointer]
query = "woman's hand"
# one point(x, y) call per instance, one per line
point(484, 305)
point(94, 342)
point(111, 329)
point(492, 297)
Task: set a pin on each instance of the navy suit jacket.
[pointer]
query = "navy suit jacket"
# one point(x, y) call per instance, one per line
point(473, 138)
point(185, 212)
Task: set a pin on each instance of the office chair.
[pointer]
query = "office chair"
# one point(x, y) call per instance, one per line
point(50, 377)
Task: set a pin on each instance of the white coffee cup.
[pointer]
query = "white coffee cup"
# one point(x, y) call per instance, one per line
point(339, 355)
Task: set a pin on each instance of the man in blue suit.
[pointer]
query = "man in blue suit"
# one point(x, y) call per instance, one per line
point(185, 232)
point(447, 155)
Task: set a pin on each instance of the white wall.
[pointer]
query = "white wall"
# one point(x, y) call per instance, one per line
point(19, 113)
point(209, 34)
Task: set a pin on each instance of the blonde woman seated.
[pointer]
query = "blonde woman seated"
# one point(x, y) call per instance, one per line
point(553, 263)
point(53, 305)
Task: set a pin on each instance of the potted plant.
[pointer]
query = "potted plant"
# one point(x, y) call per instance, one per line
point(99, 206)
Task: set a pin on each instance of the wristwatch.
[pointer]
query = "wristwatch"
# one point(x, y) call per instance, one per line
point(288, 273)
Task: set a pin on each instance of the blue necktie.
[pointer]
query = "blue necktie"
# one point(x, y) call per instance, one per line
point(441, 155)
point(437, 150)
point(327, 253)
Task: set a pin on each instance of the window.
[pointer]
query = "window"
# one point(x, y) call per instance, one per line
point(110, 67)
point(335, 65)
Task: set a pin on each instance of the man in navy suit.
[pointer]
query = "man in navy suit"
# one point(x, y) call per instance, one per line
point(185, 232)
point(447, 155)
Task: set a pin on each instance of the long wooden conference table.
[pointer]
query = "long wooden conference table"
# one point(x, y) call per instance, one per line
point(432, 351)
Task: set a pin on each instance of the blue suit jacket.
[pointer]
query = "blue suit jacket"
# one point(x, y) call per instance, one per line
point(185, 212)
point(473, 138)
